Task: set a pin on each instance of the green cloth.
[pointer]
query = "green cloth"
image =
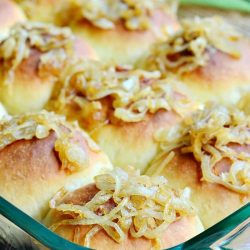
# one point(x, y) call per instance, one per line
point(241, 5)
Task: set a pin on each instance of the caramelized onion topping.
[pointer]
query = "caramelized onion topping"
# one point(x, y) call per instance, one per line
point(192, 47)
point(85, 85)
point(213, 135)
point(105, 14)
point(52, 42)
point(126, 203)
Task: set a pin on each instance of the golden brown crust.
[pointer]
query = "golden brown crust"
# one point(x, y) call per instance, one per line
point(222, 72)
point(214, 202)
point(84, 50)
point(133, 143)
point(31, 173)
point(222, 66)
point(10, 14)
point(123, 46)
point(177, 232)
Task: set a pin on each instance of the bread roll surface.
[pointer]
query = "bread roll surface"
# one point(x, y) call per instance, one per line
point(222, 72)
point(213, 201)
point(34, 169)
point(123, 46)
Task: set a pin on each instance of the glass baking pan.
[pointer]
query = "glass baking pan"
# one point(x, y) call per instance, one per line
point(19, 231)
point(231, 233)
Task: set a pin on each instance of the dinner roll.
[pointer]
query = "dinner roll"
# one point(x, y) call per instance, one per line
point(123, 210)
point(119, 31)
point(31, 58)
point(10, 13)
point(211, 155)
point(122, 31)
point(209, 56)
point(39, 154)
point(120, 107)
